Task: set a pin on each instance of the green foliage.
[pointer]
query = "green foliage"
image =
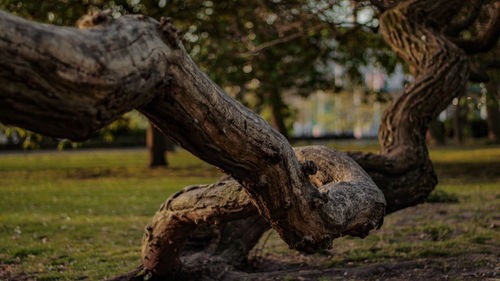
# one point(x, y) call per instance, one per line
point(28, 140)
point(258, 51)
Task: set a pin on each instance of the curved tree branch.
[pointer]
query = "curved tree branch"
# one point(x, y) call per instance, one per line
point(403, 168)
point(338, 176)
point(66, 82)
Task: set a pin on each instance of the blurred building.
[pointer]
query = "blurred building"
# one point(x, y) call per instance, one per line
point(354, 111)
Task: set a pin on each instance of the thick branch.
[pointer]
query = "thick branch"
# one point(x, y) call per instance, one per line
point(67, 83)
point(403, 168)
point(358, 207)
point(87, 78)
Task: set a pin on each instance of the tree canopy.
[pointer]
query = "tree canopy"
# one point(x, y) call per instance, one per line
point(259, 52)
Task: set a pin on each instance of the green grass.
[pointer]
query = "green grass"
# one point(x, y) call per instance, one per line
point(80, 215)
point(66, 215)
point(461, 219)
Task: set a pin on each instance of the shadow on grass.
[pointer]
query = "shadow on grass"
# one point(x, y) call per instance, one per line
point(468, 172)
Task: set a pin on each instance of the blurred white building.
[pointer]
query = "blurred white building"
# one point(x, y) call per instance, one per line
point(353, 111)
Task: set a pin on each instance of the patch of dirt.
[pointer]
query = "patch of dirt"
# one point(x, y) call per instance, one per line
point(467, 267)
point(83, 174)
point(6, 273)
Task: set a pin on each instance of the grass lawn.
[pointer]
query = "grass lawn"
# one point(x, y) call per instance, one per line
point(80, 215)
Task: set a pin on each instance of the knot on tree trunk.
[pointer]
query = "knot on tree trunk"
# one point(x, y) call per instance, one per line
point(172, 34)
point(94, 18)
point(347, 200)
point(309, 167)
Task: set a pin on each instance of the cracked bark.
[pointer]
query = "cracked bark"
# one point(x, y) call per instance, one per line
point(412, 29)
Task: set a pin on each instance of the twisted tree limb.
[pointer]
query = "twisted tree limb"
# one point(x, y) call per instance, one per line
point(359, 207)
point(412, 29)
point(66, 82)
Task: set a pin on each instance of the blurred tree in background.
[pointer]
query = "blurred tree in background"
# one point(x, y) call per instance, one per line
point(259, 51)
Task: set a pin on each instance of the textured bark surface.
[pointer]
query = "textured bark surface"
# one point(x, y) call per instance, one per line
point(359, 207)
point(412, 28)
point(68, 83)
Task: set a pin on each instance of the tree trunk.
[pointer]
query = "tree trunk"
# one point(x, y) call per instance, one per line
point(68, 83)
point(436, 133)
point(403, 168)
point(492, 111)
point(277, 113)
point(460, 120)
point(157, 146)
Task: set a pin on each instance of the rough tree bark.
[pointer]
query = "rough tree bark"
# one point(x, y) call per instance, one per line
point(412, 29)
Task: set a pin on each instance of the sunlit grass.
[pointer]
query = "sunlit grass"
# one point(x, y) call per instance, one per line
point(67, 215)
point(71, 215)
point(462, 220)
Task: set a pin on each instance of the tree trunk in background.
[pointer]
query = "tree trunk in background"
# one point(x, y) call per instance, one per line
point(436, 134)
point(460, 120)
point(492, 111)
point(156, 142)
point(277, 113)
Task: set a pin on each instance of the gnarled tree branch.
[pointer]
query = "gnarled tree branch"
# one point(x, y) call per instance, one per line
point(66, 82)
point(338, 176)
